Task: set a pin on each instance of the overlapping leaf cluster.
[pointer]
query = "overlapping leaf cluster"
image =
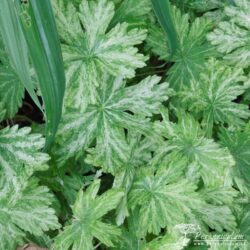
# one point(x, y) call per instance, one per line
point(142, 161)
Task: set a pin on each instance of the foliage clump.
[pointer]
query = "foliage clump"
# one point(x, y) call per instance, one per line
point(153, 148)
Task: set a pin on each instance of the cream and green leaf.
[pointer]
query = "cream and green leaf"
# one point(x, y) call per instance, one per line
point(87, 222)
point(211, 97)
point(116, 108)
point(95, 50)
point(193, 48)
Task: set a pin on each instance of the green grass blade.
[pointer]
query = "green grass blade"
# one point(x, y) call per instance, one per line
point(163, 13)
point(15, 46)
point(44, 47)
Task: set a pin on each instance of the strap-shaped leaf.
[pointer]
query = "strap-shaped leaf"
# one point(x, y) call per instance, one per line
point(43, 42)
point(15, 45)
point(162, 11)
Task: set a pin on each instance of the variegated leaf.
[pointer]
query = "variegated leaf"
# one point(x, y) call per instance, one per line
point(107, 118)
point(192, 52)
point(231, 37)
point(89, 53)
point(87, 224)
point(213, 95)
point(11, 90)
point(205, 158)
point(20, 153)
point(133, 12)
point(22, 211)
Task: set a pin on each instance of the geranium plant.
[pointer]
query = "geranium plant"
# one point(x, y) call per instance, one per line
point(124, 124)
